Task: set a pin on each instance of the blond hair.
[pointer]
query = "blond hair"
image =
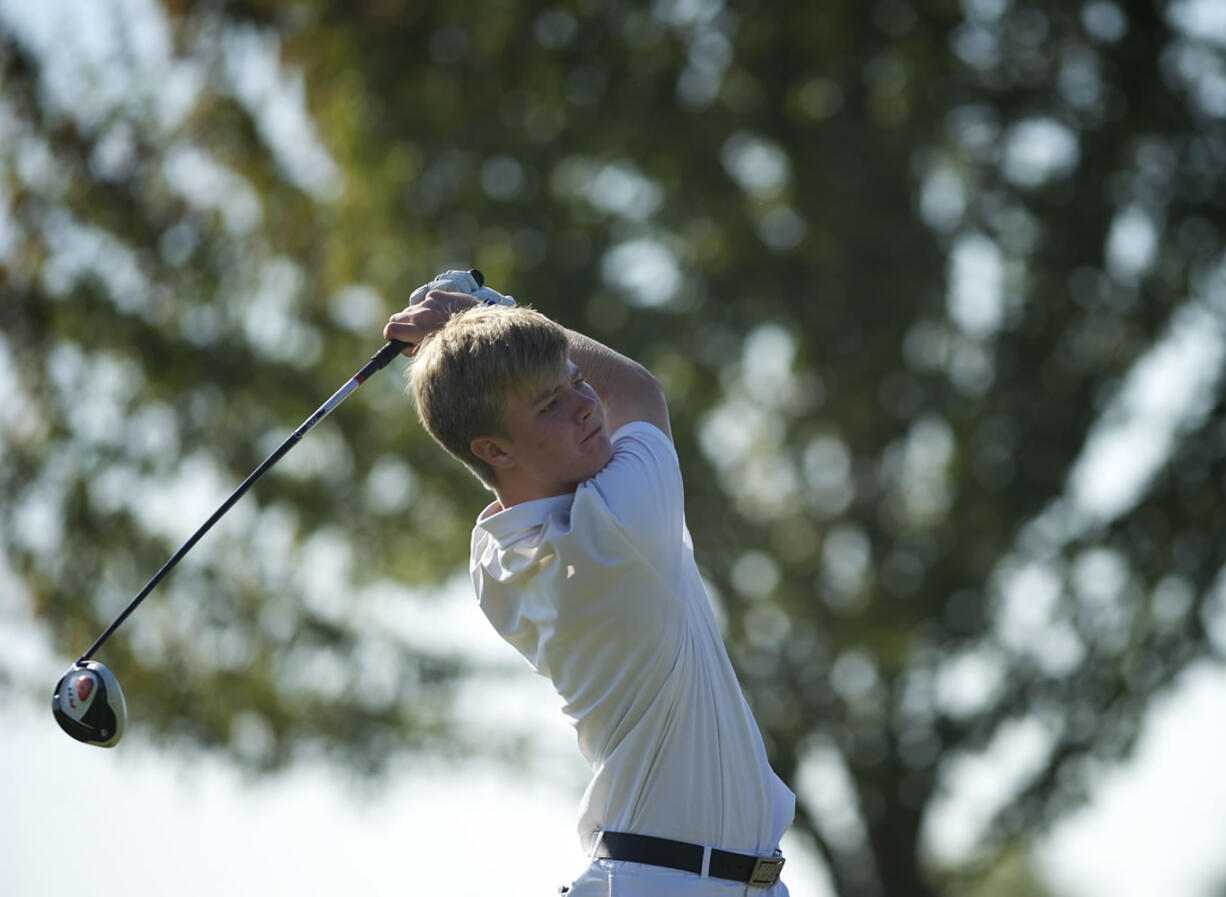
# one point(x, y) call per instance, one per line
point(465, 373)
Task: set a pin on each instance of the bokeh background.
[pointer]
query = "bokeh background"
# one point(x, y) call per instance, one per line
point(937, 291)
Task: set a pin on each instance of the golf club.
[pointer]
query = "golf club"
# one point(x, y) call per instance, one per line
point(87, 702)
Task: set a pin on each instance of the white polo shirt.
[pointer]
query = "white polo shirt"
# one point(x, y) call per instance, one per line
point(599, 591)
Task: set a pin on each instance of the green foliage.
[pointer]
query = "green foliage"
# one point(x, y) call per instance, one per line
point(894, 262)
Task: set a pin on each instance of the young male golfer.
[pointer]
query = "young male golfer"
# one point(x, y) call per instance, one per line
point(584, 564)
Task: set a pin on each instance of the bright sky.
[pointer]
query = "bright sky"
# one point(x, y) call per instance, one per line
point(138, 822)
point(1156, 825)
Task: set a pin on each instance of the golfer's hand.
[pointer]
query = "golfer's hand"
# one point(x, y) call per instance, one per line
point(425, 316)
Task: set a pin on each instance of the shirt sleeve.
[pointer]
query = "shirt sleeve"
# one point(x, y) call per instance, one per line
point(641, 490)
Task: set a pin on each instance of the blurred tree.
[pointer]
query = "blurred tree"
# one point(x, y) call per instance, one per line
point(1010, 873)
point(936, 290)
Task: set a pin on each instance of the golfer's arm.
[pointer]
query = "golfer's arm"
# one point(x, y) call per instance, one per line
point(627, 389)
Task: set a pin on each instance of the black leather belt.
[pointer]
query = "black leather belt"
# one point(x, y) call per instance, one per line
point(760, 872)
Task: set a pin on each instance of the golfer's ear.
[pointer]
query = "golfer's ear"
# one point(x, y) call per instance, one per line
point(488, 449)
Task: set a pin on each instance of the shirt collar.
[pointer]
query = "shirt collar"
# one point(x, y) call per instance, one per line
point(505, 525)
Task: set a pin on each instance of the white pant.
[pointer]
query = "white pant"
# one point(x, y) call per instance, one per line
point(618, 878)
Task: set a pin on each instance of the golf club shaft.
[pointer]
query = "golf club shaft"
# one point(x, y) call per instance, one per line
point(377, 362)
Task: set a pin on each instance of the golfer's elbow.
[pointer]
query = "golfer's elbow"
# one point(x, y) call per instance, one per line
point(641, 398)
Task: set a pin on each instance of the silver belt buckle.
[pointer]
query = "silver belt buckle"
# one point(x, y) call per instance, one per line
point(766, 872)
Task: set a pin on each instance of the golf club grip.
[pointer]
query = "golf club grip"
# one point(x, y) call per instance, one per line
point(381, 359)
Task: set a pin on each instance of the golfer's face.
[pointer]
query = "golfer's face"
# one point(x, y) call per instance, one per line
point(557, 434)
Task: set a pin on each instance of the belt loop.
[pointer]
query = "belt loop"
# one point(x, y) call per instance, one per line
point(706, 861)
point(596, 845)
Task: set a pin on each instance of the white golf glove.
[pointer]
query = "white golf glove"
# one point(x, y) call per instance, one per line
point(462, 282)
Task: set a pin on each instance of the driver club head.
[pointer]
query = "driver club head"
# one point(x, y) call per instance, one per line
point(89, 705)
